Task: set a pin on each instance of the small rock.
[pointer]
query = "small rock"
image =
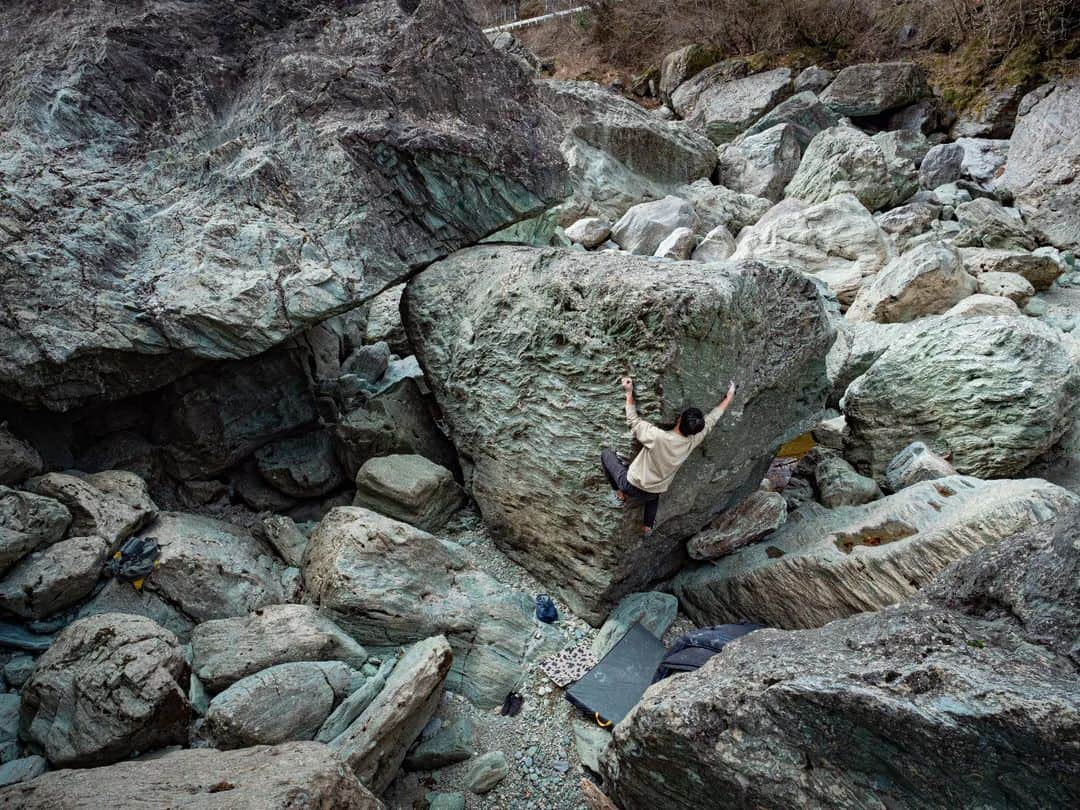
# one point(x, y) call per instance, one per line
point(18, 670)
point(717, 246)
point(941, 165)
point(384, 321)
point(285, 536)
point(591, 232)
point(913, 464)
point(452, 744)
point(408, 488)
point(18, 460)
point(814, 78)
point(679, 244)
point(486, 772)
point(655, 611)
point(641, 229)
point(830, 432)
point(22, 770)
point(838, 484)
point(368, 362)
point(446, 801)
point(1007, 285)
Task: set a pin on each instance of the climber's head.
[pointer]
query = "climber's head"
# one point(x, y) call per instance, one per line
point(691, 422)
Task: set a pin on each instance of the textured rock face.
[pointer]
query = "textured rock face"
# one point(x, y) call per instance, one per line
point(226, 650)
point(825, 564)
point(386, 583)
point(18, 460)
point(618, 154)
point(1006, 285)
point(722, 109)
point(838, 484)
point(112, 515)
point(941, 165)
point(54, 578)
point(926, 280)
point(374, 746)
point(109, 685)
point(261, 778)
point(959, 698)
point(845, 160)
point(210, 569)
point(986, 223)
point(870, 89)
point(755, 517)
point(277, 704)
point(408, 488)
point(993, 393)
point(641, 229)
point(523, 348)
point(358, 145)
point(761, 164)
point(28, 522)
point(836, 240)
point(1040, 271)
point(683, 64)
point(1044, 164)
point(803, 111)
point(913, 464)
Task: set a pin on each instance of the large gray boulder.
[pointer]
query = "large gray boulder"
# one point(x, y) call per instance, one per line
point(108, 686)
point(722, 108)
point(225, 650)
point(618, 154)
point(958, 697)
point(260, 778)
point(941, 165)
point(408, 488)
point(683, 64)
point(804, 112)
point(992, 393)
point(47, 581)
point(385, 583)
point(926, 280)
point(1044, 164)
point(846, 160)
point(641, 229)
point(28, 522)
point(1040, 270)
point(761, 164)
point(870, 89)
point(113, 513)
point(380, 109)
point(374, 746)
point(277, 704)
point(211, 569)
point(500, 331)
point(837, 241)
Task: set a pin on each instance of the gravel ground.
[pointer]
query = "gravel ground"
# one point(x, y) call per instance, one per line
point(545, 770)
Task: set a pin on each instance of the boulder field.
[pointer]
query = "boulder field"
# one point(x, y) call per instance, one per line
point(964, 695)
point(524, 349)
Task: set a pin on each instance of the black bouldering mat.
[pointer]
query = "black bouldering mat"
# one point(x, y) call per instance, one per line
point(614, 686)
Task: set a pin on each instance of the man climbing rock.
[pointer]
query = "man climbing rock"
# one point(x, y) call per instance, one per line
point(662, 453)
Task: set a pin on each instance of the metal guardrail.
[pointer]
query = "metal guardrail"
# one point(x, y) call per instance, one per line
point(535, 20)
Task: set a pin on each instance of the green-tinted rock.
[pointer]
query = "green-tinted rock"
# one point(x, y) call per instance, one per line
point(453, 743)
point(655, 612)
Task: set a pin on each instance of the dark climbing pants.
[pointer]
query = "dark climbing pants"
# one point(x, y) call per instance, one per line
point(615, 469)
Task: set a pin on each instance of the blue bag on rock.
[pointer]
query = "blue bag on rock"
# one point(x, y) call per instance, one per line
point(545, 609)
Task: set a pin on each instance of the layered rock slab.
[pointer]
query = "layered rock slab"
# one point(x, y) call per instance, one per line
point(216, 186)
point(825, 564)
point(261, 778)
point(962, 697)
point(524, 348)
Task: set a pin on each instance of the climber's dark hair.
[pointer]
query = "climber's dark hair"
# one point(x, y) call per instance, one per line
point(691, 422)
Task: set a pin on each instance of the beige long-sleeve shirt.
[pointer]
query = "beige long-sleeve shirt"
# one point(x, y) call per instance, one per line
point(662, 451)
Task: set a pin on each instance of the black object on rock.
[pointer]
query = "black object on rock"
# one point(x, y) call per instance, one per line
point(545, 609)
point(512, 705)
point(691, 650)
point(135, 560)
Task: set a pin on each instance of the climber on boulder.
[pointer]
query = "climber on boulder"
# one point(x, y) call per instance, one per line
point(662, 453)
